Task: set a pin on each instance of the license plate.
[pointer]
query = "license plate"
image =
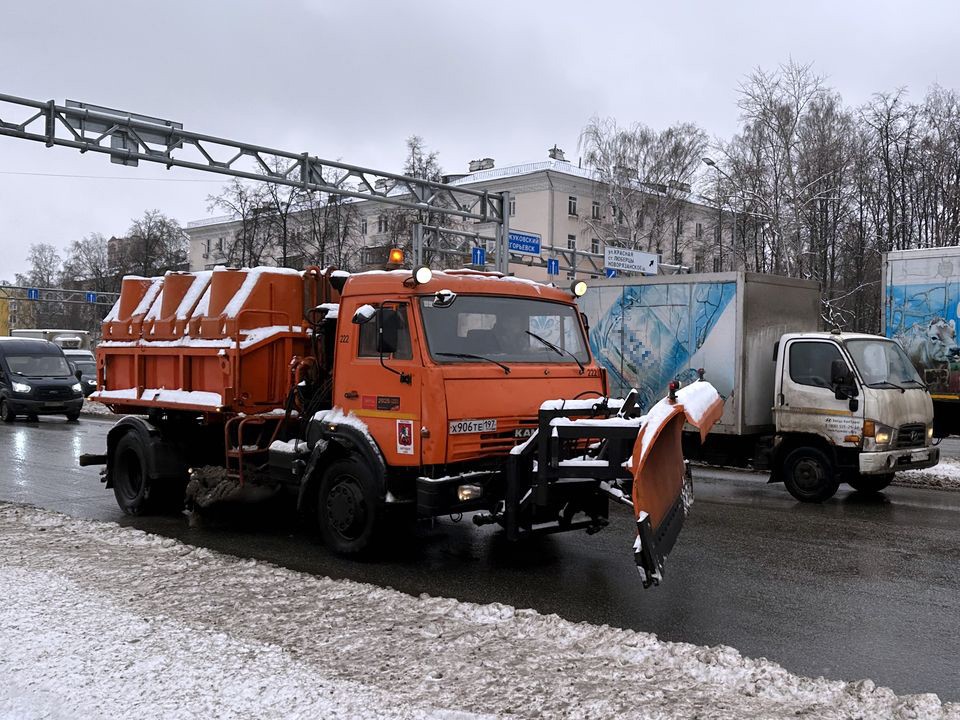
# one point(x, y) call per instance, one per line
point(920, 457)
point(462, 427)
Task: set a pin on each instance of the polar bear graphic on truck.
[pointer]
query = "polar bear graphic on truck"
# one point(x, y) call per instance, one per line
point(929, 344)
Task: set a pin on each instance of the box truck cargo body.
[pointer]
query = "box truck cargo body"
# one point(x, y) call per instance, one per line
point(921, 306)
point(649, 331)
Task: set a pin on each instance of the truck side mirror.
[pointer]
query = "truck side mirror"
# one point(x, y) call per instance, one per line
point(842, 380)
point(838, 372)
point(388, 336)
point(78, 374)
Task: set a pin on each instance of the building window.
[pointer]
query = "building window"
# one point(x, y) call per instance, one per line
point(595, 246)
point(206, 246)
point(595, 210)
point(698, 263)
point(571, 242)
point(513, 206)
point(717, 265)
point(363, 226)
point(679, 225)
point(641, 219)
point(572, 205)
point(219, 245)
point(699, 230)
point(382, 224)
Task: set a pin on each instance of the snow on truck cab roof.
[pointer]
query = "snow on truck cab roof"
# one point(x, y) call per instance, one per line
point(465, 282)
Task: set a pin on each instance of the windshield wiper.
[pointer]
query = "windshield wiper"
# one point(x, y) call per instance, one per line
point(886, 383)
point(470, 356)
point(557, 350)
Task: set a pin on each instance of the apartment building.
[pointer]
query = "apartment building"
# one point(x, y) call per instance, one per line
point(558, 200)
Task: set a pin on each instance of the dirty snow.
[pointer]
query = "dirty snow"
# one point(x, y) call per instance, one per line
point(182, 397)
point(92, 407)
point(943, 476)
point(101, 621)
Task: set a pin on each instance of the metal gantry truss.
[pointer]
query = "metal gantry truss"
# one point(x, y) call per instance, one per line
point(128, 138)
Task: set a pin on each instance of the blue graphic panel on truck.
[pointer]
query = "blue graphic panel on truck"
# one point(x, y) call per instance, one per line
point(647, 335)
point(922, 318)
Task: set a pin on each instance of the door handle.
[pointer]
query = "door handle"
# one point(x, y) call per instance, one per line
point(351, 394)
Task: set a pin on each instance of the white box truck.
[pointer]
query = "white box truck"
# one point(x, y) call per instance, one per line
point(815, 408)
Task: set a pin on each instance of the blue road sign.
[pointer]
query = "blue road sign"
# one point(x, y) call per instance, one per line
point(91, 297)
point(611, 273)
point(478, 256)
point(33, 294)
point(523, 243)
point(553, 266)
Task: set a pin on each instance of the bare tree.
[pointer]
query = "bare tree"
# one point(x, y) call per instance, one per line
point(244, 201)
point(155, 244)
point(645, 178)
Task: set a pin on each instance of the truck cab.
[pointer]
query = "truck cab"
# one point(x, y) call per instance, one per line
point(848, 407)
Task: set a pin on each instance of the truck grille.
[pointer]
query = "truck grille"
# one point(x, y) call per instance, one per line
point(462, 447)
point(913, 435)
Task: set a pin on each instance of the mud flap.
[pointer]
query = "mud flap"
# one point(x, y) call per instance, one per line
point(662, 484)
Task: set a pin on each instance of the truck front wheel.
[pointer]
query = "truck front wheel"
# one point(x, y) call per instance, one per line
point(809, 475)
point(870, 483)
point(349, 507)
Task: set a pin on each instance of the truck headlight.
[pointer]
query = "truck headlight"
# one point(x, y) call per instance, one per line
point(76, 388)
point(21, 387)
point(880, 433)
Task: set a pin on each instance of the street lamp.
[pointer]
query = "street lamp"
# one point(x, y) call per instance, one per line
point(711, 163)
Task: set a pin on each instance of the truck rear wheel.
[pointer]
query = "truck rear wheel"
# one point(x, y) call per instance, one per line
point(870, 483)
point(809, 475)
point(349, 507)
point(131, 483)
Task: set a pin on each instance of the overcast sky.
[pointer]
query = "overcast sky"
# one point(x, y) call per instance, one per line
point(353, 79)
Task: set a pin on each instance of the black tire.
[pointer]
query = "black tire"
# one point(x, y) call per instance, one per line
point(73, 416)
point(870, 483)
point(809, 475)
point(33, 418)
point(131, 483)
point(349, 507)
point(6, 414)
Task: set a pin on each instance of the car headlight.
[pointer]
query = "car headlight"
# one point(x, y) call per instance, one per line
point(21, 387)
point(77, 388)
point(91, 382)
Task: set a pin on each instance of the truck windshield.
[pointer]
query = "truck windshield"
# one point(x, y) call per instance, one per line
point(882, 362)
point(507, 330)
point(38, 365)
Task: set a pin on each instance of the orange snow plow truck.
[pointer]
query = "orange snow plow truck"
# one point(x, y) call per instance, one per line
point(371, 394)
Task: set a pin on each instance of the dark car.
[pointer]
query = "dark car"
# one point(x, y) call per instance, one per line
point(36, 379)
point(84, 361)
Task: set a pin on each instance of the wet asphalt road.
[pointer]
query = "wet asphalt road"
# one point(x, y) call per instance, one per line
point(857, 587)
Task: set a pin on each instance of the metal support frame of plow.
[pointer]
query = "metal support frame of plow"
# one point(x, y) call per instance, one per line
point(129, 138)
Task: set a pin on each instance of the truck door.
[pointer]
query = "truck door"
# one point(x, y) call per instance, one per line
point(381, 385)
point(806, 403)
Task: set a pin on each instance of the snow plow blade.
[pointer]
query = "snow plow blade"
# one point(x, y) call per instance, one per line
point(586, 453)
point(662, 485)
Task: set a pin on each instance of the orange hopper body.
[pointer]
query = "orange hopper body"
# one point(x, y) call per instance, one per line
point(212, 341)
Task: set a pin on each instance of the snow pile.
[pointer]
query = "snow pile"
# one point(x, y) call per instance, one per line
point(101, 621)
point(92, 407)
point(944, 476)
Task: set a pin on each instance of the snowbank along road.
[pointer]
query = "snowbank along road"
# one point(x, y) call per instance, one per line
point(100, 621)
